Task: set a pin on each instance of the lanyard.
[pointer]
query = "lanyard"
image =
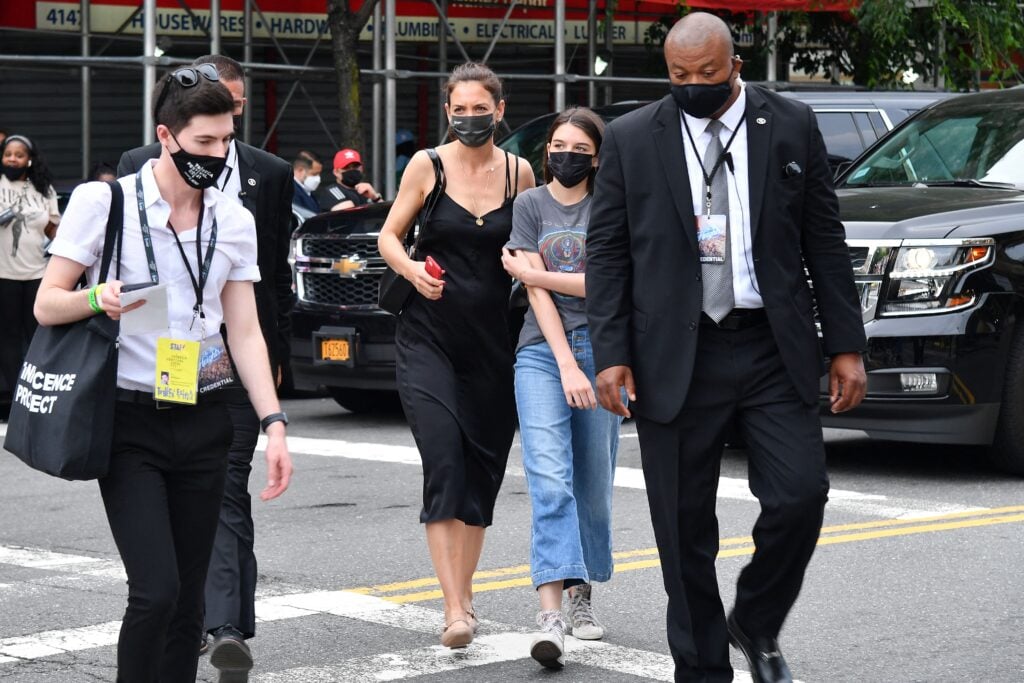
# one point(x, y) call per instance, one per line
point(198, 284)
point(709, 177)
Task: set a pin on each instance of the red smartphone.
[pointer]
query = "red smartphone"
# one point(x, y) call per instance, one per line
point(433, 269)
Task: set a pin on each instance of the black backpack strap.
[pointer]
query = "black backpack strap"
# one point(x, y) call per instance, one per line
point(115, 230)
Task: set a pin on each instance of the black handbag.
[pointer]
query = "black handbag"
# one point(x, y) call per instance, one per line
point(395, 290)
point(62, 410)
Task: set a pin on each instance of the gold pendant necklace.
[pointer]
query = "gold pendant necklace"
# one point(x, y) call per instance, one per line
point(487, 186)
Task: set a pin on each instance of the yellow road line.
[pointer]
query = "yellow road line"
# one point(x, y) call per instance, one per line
point(734, 547)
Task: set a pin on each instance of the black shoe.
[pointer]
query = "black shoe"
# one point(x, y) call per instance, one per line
point(767, 665)
point(230, 655)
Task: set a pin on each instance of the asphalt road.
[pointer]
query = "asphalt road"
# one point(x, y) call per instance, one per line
point(916, 577)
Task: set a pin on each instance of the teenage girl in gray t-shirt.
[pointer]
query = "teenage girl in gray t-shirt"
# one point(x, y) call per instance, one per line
point(569, 441)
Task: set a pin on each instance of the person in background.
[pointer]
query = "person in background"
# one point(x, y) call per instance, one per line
point(453, 353)
point(162, 493)
point(349, 189)
point(102, 171)
point(28, 221)
point(306, 178)
point(569, 443)
point(405, 147)
point(262, 183)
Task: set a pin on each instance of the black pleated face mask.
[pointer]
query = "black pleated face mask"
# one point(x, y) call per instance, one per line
point(473, 131)
point(701, 100)
point(570, 168)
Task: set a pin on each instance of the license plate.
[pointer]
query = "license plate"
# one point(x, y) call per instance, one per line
point(335, 349)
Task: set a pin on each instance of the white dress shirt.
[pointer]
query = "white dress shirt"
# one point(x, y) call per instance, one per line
point(81, 236)
point(744, 280)
point(230, 180)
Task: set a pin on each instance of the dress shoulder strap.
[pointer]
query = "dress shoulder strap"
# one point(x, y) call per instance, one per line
point(511, 182)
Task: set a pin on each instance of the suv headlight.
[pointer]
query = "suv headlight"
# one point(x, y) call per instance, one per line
point(927, 275)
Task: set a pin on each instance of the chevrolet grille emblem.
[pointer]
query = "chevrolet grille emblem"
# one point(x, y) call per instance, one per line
point(349, 266)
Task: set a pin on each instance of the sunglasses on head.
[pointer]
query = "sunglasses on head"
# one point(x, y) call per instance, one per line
point(187, 77)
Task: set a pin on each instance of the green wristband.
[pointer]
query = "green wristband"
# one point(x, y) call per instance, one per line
point(93, 304)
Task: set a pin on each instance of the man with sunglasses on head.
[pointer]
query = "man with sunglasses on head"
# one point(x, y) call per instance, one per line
point(262, 183)
point(169, 452)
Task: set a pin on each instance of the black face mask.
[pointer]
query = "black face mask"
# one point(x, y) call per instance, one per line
point(15, 172)
point(473, 131)
point(570, 168)
point(351, 178)
point(197, 170)
point(701, 101)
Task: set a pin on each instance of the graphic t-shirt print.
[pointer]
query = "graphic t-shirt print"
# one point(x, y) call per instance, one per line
point(564, 251)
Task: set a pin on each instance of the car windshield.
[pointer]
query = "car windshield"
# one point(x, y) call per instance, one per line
point(979, 143)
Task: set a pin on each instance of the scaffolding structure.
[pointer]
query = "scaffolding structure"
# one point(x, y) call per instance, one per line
point(384, 73)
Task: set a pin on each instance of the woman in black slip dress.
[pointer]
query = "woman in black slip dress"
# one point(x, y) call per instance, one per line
point(454, 355)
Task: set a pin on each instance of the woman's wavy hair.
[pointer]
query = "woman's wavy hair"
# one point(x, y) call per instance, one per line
point(587, 121)
point(38, 172)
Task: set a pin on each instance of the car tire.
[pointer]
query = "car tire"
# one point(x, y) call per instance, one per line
point(1007, 452)
point(366, 400)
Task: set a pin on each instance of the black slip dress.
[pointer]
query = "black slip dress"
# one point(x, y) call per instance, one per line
point(455, 362)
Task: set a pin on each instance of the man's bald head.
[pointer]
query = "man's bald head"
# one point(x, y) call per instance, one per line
point(699, 53)
point(700, 31)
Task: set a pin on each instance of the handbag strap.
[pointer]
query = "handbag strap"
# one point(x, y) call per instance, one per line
point(440, 183)
point(115, 229)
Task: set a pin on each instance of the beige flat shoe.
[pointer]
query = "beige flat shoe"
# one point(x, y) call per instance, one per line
point(457, 634)
point(474, 620)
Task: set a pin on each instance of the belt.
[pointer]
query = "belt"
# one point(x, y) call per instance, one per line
point(145, 398)
point(737, 319)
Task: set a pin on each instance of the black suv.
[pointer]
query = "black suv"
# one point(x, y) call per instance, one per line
point(344, 342)
point(934, 217)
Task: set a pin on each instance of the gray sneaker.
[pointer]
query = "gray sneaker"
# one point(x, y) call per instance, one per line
point(582, 622)
point(549, 645)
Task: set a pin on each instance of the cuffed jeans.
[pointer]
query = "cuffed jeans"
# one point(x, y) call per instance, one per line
point(569, 458)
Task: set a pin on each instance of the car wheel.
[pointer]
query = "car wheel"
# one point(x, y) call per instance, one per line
point(1007, 452)
point(366, 400)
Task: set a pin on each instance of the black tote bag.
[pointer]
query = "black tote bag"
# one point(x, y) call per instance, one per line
point(395, 290)
point(62, 408)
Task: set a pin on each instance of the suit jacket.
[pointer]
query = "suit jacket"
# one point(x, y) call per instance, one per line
point(643, 272)
point(267, 193)
point(304, 199)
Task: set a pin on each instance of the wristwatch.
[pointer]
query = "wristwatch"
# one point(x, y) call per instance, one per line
point(271, 419)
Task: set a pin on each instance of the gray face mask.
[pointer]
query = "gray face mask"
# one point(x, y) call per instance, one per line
point(473, 131)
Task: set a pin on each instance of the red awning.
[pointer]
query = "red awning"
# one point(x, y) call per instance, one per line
point(767, 5)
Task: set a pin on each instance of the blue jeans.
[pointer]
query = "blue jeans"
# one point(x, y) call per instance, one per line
point(569, 458)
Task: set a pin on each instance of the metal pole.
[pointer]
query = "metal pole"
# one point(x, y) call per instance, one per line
point(148, 69)
point(442, 65)
point(214, 27)
point(86, 94)
point(559, 55)
point(591, 51)
point(390, 97)
point(773, 52)
point(247, 58)
point(609, 28)
point(377, 151)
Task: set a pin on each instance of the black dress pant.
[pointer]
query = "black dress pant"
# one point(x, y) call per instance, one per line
point(162, 495)
point(17, 297)
point(231, 580)
point(738, 374)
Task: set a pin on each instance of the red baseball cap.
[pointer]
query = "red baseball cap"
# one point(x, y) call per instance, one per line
point(346, 157)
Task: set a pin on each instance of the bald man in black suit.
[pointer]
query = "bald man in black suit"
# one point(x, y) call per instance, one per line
point(707, 206)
